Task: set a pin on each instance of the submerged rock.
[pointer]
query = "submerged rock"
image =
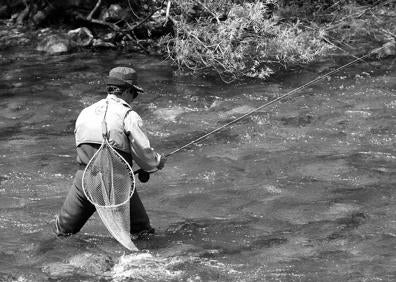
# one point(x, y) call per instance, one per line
point(85, 263)
point(58, 269)
point(92, 263)
point(54, 44)
point(169, 114)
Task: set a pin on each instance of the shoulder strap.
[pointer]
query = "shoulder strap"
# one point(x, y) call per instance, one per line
point(105, 134)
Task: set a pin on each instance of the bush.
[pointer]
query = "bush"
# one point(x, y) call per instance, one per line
point(248, 43)
point(239, 39)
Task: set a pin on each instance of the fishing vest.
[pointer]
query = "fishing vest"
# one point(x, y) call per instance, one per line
point(89, 124)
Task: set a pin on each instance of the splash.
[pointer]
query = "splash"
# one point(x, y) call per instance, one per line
point(148, 267)
point(145, 267)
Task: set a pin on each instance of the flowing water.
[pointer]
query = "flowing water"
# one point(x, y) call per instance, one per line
point(301, 191)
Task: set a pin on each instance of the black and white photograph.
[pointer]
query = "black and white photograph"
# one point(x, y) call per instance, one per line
point(197, 140)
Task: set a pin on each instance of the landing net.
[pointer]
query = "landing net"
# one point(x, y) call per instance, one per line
point(108, 183)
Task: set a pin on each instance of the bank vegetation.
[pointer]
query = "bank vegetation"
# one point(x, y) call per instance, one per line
point(232, 38)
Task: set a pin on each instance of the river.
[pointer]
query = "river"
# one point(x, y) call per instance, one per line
point(301, 191)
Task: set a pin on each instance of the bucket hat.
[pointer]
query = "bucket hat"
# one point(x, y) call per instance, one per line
point(123, 76)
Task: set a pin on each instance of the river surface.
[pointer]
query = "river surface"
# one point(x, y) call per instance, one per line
point(301, 191)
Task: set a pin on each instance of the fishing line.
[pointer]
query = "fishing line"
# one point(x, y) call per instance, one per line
point(274, 101)
point(290, 93)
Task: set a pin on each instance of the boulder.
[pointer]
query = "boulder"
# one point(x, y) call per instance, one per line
point(81, 36)
point(54, 44)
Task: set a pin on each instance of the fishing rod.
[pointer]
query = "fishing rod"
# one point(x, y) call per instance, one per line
point(141, 172)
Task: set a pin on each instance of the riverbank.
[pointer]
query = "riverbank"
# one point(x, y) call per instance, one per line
point(232, 39)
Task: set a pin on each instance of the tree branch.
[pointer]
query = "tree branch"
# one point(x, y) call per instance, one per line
point(146, 18)
point(89, 17)
point(110, 25)
point(167, 12)
point(207, 9)
point(132, 11)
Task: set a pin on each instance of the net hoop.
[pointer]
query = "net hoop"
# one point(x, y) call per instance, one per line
point(105, 142)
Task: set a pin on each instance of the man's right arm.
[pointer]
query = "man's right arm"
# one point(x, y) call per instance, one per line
point(142, 153)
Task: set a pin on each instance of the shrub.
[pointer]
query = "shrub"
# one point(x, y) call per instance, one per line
point(239, 39)
point(248, 43)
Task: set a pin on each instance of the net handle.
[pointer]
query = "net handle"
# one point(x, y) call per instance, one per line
point(105, 134)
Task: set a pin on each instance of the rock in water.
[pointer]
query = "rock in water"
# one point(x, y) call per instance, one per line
point(54, 44)
point(81, 36)
point(58, 269)
point(92, 263)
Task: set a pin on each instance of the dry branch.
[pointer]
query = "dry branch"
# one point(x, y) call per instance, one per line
point(89, 17)
point(207, 9)
point(146, 18)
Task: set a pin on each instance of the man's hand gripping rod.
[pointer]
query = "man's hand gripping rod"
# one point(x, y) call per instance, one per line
point(144, 175)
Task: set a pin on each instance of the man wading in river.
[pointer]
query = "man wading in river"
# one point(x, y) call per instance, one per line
point(126, 136)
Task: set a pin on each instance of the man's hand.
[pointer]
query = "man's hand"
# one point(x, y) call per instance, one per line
point(162, 162)
point(143, 176)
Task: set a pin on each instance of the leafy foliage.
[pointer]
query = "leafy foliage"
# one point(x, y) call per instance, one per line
point(233, 38)
point(256, 38)
point(248, 43)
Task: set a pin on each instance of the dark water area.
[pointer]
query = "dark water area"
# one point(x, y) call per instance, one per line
point(301, 191)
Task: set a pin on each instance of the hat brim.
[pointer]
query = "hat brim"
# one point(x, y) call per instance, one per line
point(120, 82)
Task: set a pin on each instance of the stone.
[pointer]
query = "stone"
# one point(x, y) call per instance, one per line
point(81, 36)
point(92, 263)
point(58, 269)
point(54, 44)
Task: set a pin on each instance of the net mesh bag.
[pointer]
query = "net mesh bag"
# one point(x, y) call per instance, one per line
point(108, 183)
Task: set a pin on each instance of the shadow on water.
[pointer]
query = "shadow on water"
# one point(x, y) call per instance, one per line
point(10, 131)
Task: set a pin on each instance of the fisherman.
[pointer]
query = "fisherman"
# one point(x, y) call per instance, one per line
point(126, 136)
